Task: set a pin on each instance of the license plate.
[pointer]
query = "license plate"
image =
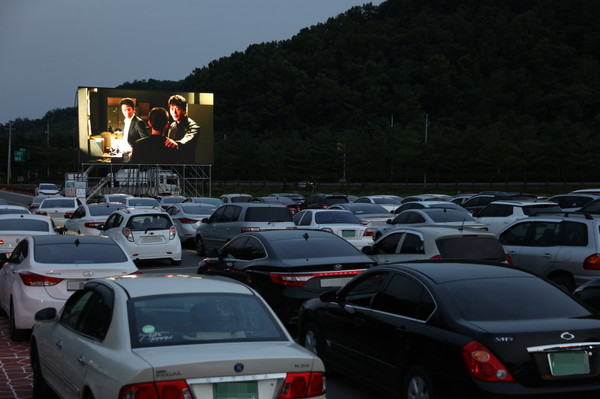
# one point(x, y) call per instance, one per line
point(348, 233)
point(334, 282)
point(150, 239)
point(75, 285)
point(236, 390)
point(569, 363)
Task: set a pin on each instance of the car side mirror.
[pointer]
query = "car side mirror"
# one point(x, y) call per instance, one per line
point(46, 314)
point(389, 221)
point(205, 220)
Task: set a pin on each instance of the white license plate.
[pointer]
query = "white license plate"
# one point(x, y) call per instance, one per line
point(334, 282)
point(75, 285)
point(150, 239)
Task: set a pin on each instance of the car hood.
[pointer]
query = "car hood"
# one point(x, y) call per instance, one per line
point(219, 359)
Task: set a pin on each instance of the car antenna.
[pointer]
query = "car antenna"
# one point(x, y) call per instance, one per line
point(462, 226)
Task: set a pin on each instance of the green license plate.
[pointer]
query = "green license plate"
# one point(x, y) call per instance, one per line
point(348, 233)
point(236, 390)
point(569, 363)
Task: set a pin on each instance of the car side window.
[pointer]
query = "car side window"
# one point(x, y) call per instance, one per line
point(73, 308)
point(88, 312)
point(230, 214)
point(19, 253)
point(234, 248)
point(387, 245)
point(361, 292)
point(488, 211)
point(414, 217)
point(217, 216)
point(307, 219)
point(574, 234)
point(545, 234)
point(405, 297)
point(110, 222)
point(253, 250)
point(517, 235)
point(79, 213)
point(412, 244)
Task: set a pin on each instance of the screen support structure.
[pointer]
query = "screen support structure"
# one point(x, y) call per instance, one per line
point(146, 180)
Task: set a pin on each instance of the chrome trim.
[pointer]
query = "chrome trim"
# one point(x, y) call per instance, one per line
point(574, 346)
point(237, 378)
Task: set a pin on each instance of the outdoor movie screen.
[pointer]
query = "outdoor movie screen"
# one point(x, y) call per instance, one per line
point(115, 126)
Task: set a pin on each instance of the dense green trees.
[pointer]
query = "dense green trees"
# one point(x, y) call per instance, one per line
point(511, 91)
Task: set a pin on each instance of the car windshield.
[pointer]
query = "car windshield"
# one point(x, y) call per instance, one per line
point(268, 214)
point(149, 222)
point(536, 209)
point(521, 298)
point(48, 187)
point(314, 247)
point(334, 217)
point(24, 225)
point(104, 210)
point(182, 319)
point(142, 202)
point(58, 203)
point(484, 248)
point(77, 252)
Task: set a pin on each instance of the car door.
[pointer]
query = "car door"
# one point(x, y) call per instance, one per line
point(8, 273)
point(533, 245)
point(384, 250)
point(73, 223)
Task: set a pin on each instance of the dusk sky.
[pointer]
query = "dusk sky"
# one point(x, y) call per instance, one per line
point(49, 48)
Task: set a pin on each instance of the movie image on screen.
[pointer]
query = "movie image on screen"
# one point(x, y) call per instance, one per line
point(145, 126)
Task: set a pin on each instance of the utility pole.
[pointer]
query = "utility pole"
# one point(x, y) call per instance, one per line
point(426, 155)
point(9, 153)
point(48, 146)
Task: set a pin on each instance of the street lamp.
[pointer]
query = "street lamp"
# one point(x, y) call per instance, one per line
point(9, 153)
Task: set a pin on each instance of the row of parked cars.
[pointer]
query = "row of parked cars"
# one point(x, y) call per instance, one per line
point(419, 328)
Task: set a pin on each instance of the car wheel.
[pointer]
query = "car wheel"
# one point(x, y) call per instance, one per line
point(41, 390)
point(312, 339)
point(16, 334)
point(176, 262)
point(200, 250)
point(418, 384)
point(564, 281)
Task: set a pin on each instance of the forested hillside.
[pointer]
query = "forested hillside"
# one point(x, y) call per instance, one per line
point(463, 90)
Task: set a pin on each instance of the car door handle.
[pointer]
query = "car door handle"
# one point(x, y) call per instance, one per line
point(59, 344)
point(547, 255)
point(81, 360)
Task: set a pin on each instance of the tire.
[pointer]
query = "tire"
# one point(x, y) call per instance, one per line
point(41, 390)
point(16, 334)
point(312, 339)
point(175, 262)
point(200, 249)
point(564, 281)
point(418, 384)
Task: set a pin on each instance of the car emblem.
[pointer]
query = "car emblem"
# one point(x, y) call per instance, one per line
point(567, 336)
point(337, 267)
point(239, 367)
point(88, 273)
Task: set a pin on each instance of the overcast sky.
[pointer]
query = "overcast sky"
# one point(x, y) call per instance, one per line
point(50, 47)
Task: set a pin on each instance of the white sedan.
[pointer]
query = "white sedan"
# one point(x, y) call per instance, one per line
point(15, 227)
point(151, 336)
point(45, 270)
point(87, 218)
point(57, 208)
point(337, 221)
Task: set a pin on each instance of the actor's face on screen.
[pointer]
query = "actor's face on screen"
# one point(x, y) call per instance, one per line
point(127, 110)
point(176, 112)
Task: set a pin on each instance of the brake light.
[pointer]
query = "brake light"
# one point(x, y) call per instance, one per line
point(68, 214)
point(508, 259)
point(41, 213)
point(172, 232)
point(187, 220)
point(128, 233)
point(92, 225)
point(592, 262)
point(438, 256)
point(299, 279)
point(247, 229)
point(327, 229)
point(37, 280)
point(483, 365)
point(368, 233)
point(177, 389)
point(324, 206)
point(1, 241)
point(302, 385)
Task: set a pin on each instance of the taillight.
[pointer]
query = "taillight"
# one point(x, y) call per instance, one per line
point(302, 385)
point(160, 390)
point(92, 225)
point(438, 256)
point(128, 233)
point(69, 214)
point(37, 280)
point(592, 262)
point(368, 233)
point(247, 229)
point(1, 241)
point(41, 213)
point(483, 365)
point(187, 220)
point(172, 232)
point(508, 259)
point(364, 222)
point(327, 229)
point(299, 279)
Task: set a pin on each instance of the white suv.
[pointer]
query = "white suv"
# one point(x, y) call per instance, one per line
point(144, 234)
point(499, 214)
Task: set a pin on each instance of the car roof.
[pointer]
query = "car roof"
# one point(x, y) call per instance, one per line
point(441, 230)
point(141, 285)
point(522, 203)
point(68, 238)
point(139, 211)
point(445, 271)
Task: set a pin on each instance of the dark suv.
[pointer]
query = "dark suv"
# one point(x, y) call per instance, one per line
point(229, 220)
point(317, 201)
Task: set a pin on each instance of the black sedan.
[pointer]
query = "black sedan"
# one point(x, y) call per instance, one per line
point(455, 329)
point(287, 267)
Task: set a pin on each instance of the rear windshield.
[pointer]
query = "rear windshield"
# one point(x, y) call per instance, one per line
point(314, 248)
point(334, 217)
point(268, 214)
point(74, 252)
point(455, 216)
point(520, 298)
point(6, 211)
point(336, 200)
point(240, 199)
point(535, 209)
point(58, 203)
point(189, 319)
point(24, 225)
point(48, 187)
point(143, 202)
point(103, 210)
point(149, 222)
point(198, 209)
point(482, 248)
